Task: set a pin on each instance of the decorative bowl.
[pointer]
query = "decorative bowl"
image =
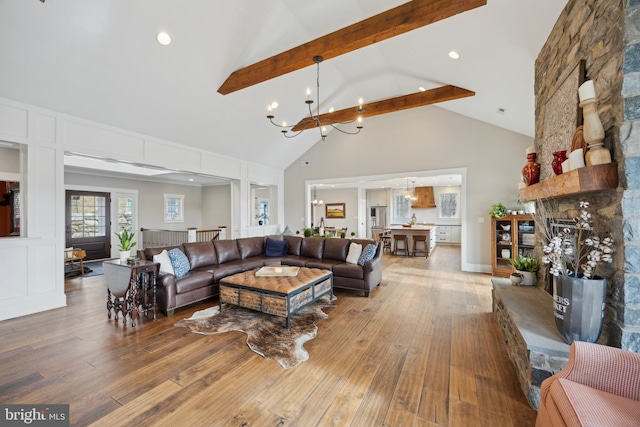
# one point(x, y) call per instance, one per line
point(506, 227)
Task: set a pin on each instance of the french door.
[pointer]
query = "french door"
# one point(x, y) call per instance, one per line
point(88, 223)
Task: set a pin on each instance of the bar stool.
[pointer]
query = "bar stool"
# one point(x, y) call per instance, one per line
point(400, 238)
point(385, 239)
point(422, 239)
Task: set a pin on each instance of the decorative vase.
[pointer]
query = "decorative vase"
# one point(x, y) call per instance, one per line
point(558, 158)
point(516, 279)
point(531, 171)
point(528, 278)
point(579, 307)
point(124, 255)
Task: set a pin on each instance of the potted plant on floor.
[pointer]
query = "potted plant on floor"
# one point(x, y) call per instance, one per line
point(126, 244)
point(578, 255)
point(527, 267)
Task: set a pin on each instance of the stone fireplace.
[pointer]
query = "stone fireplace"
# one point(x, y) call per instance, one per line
point(603, 37)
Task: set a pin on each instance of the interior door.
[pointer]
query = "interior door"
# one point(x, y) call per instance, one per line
point(88, 223)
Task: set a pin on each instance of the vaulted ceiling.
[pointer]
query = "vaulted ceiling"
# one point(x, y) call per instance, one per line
point(99, 60)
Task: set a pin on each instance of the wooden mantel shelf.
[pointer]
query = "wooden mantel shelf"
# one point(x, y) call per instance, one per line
point(578, 181)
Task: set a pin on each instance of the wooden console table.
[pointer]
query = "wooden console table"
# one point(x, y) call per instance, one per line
point(137, 295)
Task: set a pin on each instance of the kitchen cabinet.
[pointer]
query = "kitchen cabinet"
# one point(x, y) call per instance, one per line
point(424, 198)
point(377, 197)
point(511, 236)
point(449, 234)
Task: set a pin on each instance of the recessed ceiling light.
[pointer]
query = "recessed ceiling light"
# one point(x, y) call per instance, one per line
point(454, 55)
point(421, 89)
point(274, 105)
point(331, 110)
point(190, 179)
point(163, 38)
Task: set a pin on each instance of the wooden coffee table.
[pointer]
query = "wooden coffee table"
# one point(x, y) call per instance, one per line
point(276, 295)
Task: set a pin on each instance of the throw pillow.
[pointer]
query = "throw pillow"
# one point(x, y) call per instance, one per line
point(368, 253)
point(275, 247)
point(165, 262)
point(355, 250)
point(179, 262)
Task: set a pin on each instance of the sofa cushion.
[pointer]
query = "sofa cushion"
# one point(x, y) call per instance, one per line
point(368, 253)
point(312, 247)
point(323, 264)
point(250, 246)
point(274, 247)
point(352, 271)
point(200, 254)
point(336, 249)
point(227, 250)
point(150, 252)
point(579, 404)
point(179, 262)
point(193, 280)
point(355, 250)
point(224, 270)
point(293, 244)
point(165, 262)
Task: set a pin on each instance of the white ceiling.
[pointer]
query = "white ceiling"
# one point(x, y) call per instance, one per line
point(99, 60)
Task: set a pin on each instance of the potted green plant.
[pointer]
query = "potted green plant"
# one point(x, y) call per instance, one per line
point(498, 211)
point(527, 267)
point(308, 232)
point(343, 234)
point(353, 234)
point(126, 244)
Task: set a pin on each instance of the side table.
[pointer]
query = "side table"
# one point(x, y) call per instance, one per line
point(139, 284)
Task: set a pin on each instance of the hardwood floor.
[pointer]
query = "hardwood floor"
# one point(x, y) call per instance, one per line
point(423, 350)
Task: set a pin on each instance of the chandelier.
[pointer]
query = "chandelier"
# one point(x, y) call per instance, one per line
point(315, 201)
point(409, 193)
point(316, 120)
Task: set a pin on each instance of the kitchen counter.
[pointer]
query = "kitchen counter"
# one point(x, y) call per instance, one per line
point(423, 229)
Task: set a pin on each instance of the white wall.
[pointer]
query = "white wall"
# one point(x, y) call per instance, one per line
point(33, 268)
point(216, 206)
point(348, 196)
point(423, 139)
point(150, 198)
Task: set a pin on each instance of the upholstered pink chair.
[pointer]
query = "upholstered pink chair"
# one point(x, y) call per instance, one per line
point(600, 386)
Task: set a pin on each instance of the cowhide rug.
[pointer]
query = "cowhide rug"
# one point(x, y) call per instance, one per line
point(266, 334)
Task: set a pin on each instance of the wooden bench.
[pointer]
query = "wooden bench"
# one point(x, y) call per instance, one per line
point(71, 256)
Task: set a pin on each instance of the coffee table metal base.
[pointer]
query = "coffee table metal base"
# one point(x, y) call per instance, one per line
point(278, 296)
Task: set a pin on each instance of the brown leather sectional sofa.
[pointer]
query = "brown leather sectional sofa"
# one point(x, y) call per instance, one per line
point(214, 260)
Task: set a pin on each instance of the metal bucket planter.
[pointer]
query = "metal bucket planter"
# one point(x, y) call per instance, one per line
point(579, 307)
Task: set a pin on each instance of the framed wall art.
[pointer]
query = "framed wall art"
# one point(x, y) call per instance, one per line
point(334, 210)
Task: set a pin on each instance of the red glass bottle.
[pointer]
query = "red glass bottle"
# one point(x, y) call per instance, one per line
point(558, 158)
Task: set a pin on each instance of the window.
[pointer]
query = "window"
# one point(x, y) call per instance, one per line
point(448, 207)
point(173, 208)
point(401, 208)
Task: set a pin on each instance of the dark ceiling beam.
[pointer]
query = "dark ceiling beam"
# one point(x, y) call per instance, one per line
point(399, 20)
point(418, 99)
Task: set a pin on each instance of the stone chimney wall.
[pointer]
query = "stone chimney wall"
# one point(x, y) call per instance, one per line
point(606, 35)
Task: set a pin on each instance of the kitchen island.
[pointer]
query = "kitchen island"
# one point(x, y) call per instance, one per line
point(428, 230)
